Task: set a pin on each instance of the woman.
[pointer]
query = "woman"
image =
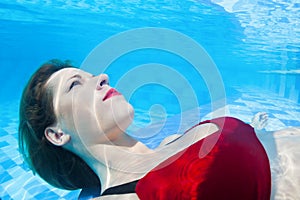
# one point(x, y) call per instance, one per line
point(72, 133)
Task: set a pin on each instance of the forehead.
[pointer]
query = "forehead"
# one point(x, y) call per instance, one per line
point(64, 74)
point(58, 80)
point(61, 74)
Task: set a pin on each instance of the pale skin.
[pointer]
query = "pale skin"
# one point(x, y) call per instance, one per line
point(283, 151)
point(94, 128)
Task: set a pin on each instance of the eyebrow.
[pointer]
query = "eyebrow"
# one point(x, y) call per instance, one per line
point(74, 76)
point(66, 82)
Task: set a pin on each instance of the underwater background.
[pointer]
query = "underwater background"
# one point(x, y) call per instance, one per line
point(255, 45)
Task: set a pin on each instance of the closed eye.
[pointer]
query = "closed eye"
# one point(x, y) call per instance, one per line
point(74, 83)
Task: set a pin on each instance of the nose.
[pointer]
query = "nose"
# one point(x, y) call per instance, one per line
point(102, 80)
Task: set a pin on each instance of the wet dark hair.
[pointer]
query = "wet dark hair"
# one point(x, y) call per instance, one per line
point(56, 165)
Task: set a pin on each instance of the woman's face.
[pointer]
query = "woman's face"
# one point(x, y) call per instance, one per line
point(87, 108)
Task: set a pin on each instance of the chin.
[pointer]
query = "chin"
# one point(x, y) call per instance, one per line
point(124, 117)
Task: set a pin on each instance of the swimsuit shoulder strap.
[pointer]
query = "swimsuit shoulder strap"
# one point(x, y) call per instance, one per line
point(121, 189)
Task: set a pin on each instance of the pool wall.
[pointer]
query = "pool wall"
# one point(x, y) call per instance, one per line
point(288, 87)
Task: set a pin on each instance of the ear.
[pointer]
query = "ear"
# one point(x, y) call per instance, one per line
point(56, 136)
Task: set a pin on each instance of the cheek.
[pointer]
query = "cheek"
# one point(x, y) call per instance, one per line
point(84, 118)
point(65, 115)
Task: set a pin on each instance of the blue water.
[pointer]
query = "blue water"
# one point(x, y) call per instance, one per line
point(254, 37)
point(254, 44)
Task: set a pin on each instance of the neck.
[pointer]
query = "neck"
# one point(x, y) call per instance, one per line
point(123, 140)
point(119, 162)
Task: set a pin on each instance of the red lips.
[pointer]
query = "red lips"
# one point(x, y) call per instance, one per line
point(110, 93)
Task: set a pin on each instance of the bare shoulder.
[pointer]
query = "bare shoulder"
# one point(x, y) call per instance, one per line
point(203, 130)
point(192, 135)
point(169, 139)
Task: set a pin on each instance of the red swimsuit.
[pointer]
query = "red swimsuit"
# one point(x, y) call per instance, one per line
point(236, 167)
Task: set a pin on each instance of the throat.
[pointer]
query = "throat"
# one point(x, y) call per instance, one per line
point(121, 140)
